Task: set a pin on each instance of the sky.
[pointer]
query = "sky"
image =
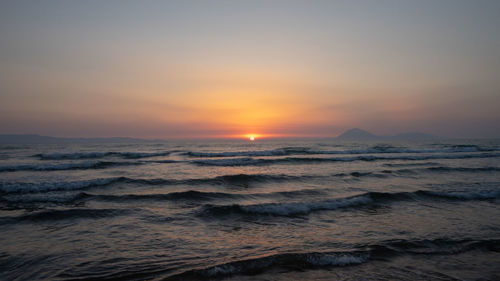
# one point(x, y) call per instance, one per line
point(209, 69)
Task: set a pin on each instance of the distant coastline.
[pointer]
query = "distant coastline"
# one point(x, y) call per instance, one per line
point(349, 135)
point(38, 139)
point(359, 134)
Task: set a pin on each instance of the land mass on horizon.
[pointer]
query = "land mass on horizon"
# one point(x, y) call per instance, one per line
point(352, 134)
point(33, 138)
point(359, 134)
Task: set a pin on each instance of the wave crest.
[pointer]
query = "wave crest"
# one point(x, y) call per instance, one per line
point(289, 260)
point(377, 149)
point(361, 254)
point(249, 161)
point(66, 166)
point(304, 208)
point(285, 209)
point(93, 155)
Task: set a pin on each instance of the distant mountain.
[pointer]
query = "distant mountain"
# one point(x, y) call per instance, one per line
point(358, 134)
point(35, 139)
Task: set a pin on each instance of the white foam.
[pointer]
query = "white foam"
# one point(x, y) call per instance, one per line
point(65, 166)
point(87, 155)
point(48, 167)
point(248, 161)
point(297, 208)
point(142, 154)
point(307, 151)
point(274, 152)
point(222, 270)
point(229, 162)
point(326, 259)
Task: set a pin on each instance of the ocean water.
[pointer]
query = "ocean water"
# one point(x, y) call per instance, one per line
point(241, 210)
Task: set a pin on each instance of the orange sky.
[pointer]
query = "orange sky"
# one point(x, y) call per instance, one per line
point(183, 69)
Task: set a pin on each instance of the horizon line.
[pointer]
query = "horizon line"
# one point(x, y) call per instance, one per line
point(259, 137)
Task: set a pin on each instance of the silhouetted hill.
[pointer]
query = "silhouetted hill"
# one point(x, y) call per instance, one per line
point(33, 139)
point(358, 134)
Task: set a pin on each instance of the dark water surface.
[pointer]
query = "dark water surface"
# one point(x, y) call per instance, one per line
point(238, 210)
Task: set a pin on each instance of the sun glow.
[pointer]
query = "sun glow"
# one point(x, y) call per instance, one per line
point(251, 137)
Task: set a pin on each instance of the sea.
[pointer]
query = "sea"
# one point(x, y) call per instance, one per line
point(314, 209)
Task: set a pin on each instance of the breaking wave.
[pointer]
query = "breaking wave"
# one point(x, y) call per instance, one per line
point(379, 149)
point(284, 209)
point(410, 164)
point(242, 180)
point(93, 155)
point(359, 255)
point(66, 166)
point(249, 161)
point(304, 208)
point(298, 261)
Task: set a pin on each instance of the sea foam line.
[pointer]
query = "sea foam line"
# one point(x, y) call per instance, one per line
point(66, 166)
point(92, 155)
point(359, 255)
point(241, 180)
point(304, 208)
point(284, 209)
point(249, 161)
point(286, 151)
point(287, 260)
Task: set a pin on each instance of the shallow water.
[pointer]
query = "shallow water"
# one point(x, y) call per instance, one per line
point(263, 210)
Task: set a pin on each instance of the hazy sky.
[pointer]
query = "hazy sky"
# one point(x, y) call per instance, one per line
point(168, 69)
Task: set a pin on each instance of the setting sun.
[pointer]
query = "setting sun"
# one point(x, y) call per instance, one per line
point(252, 137)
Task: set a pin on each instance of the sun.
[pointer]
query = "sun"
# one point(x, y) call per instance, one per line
point(252, 137)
